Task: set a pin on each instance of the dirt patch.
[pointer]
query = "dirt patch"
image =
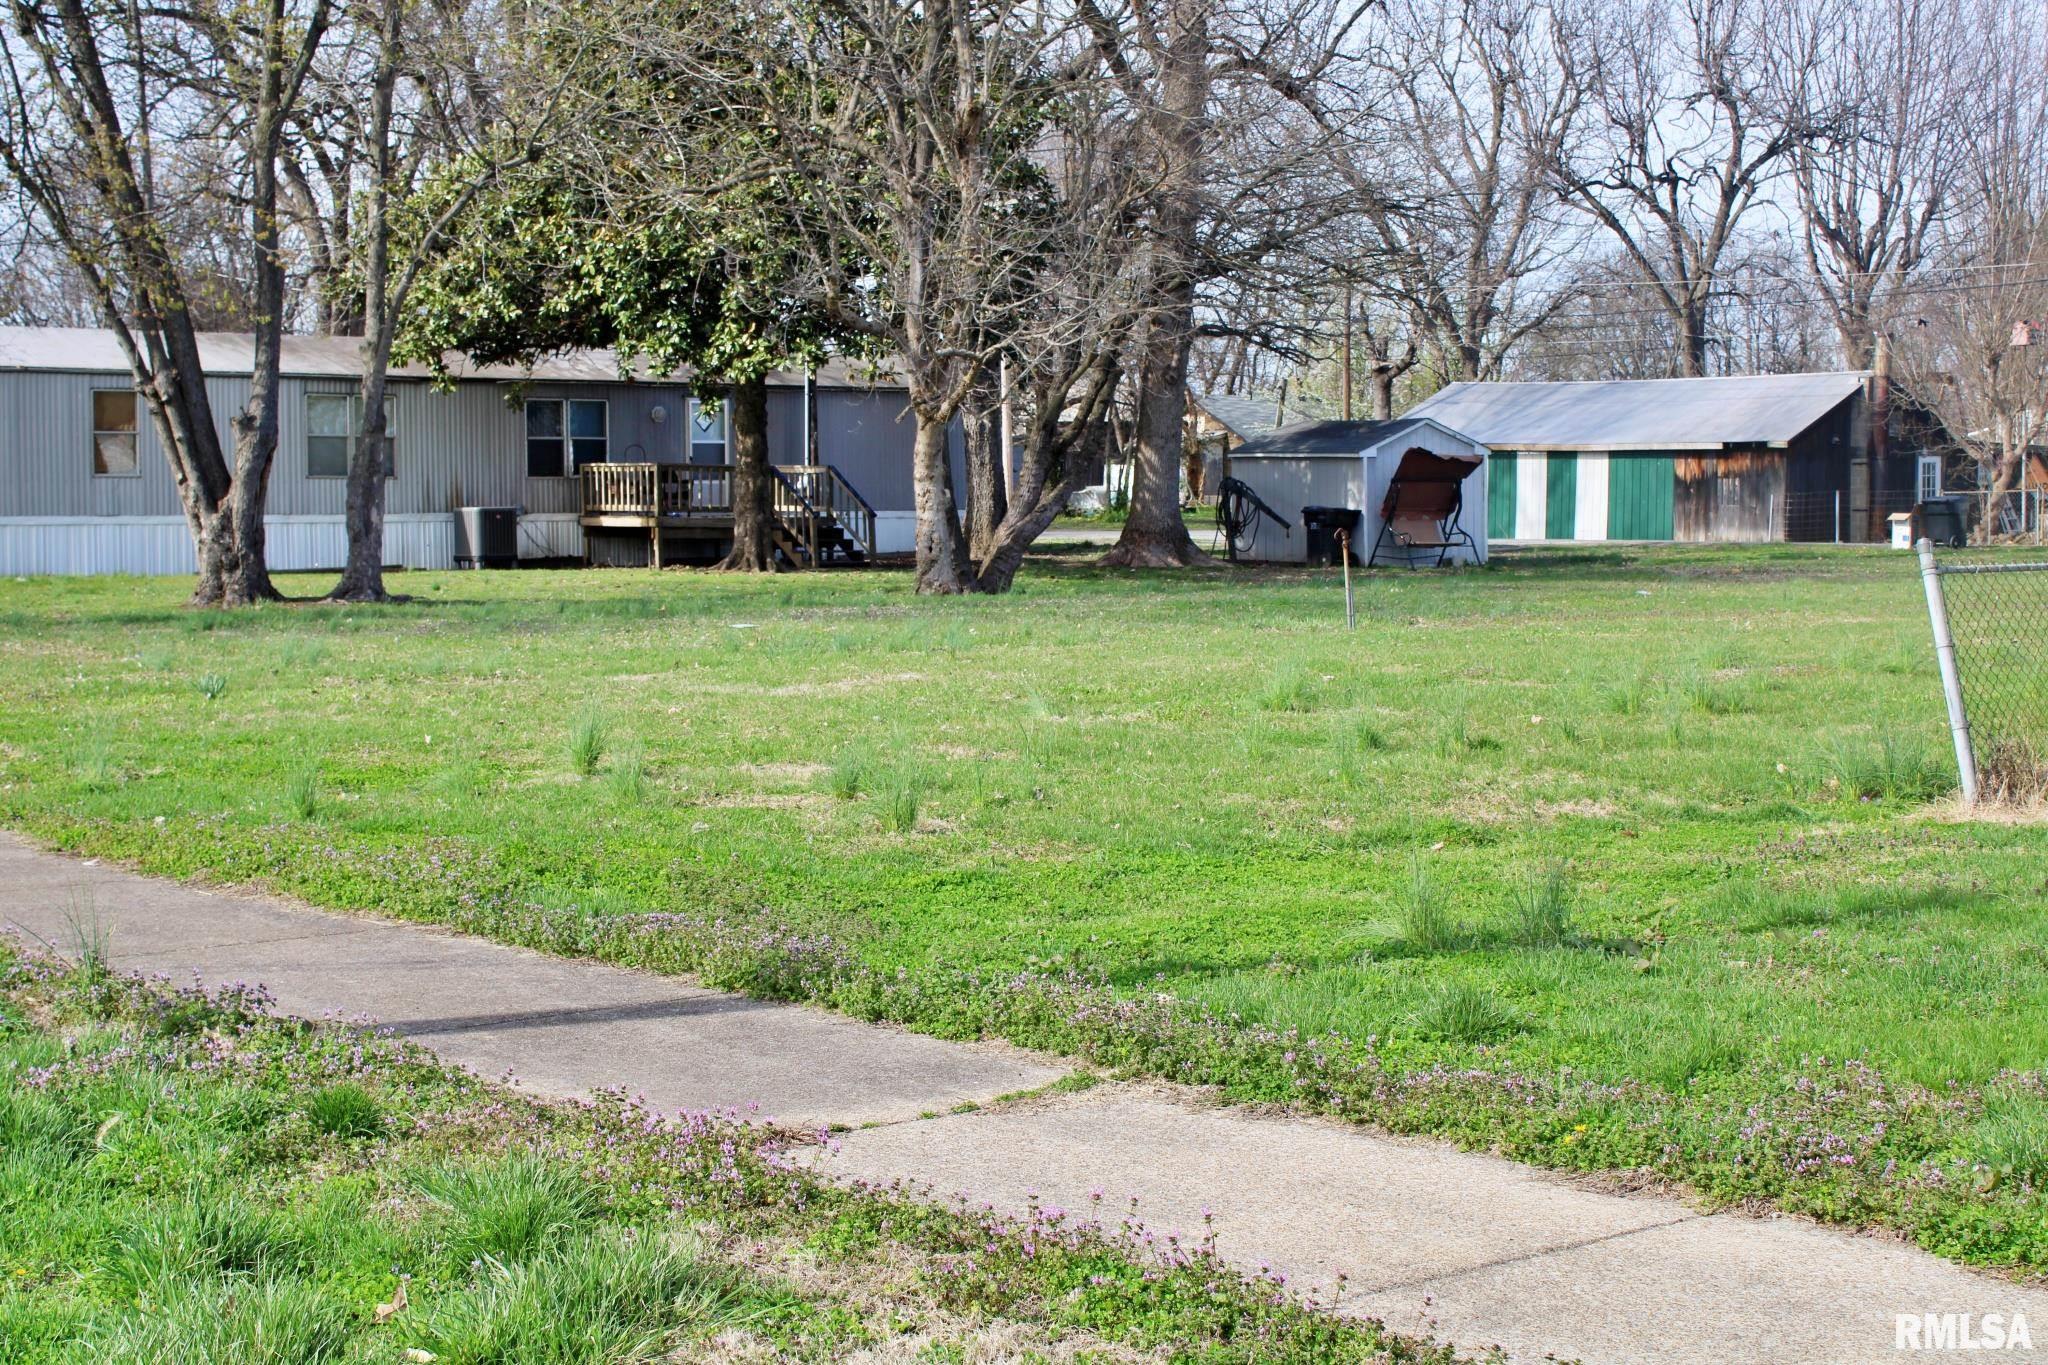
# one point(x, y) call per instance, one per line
point(763, 801)
point(1951, 810)
point(786, 772)
point(840, 686)
point(1586, 808)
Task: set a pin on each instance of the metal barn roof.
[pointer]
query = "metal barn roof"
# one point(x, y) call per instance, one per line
point(94, 350)
point(1640, 414)
point(1328, 438)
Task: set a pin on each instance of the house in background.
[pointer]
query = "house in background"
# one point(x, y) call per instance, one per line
point(1218, 423)
point(85, 488)
point(1753, 458)
point(1348, 465)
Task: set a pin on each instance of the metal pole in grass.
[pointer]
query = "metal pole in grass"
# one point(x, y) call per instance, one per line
point(1350, 608)
point(1951, 679)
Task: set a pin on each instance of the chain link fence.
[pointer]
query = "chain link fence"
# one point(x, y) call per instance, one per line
point(1990, 618)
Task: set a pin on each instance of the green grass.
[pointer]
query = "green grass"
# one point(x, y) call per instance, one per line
point(1670, 809)
point(184, 1179)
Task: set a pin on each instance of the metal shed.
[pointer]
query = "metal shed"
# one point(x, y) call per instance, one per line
point(1347, 464)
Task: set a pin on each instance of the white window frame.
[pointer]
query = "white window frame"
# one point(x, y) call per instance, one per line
point(133, 433)
point(1920, 471)
point(355, 430)
point(724, 429)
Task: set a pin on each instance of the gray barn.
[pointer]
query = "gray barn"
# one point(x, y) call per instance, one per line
point(87, 489)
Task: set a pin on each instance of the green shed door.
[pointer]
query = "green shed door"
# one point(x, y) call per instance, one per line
point(1640, 490)
point(1561, 486)
point(1500, 496)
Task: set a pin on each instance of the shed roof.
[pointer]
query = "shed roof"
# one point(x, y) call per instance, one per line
point(1640, 414)
point(1247, 418)
point(94, 350)
point(1327, 438)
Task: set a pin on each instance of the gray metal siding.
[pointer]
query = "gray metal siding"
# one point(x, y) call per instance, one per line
point(465, 446)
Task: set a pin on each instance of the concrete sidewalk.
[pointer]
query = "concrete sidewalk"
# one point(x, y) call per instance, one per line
point(1469, 1248)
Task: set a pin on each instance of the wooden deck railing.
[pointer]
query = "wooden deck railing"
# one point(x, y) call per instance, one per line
point(805, 497)
point(646, 490)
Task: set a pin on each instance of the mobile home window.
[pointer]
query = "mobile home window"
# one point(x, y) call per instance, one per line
point(563, 436)
point(707, 431)
point(589, 434)
point(546, 452)
point(114, 429)
point(333, 422)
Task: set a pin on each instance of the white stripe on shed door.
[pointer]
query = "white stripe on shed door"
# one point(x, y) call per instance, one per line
point(1590, 513)
point(1532, 495)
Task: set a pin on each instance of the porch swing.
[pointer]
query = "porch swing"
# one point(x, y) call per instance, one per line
point(1420, 513)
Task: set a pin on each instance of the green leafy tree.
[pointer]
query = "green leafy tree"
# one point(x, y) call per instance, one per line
point(540, 266)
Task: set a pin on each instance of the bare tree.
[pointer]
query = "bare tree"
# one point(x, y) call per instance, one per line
point(1446, 141)
point(968, 201)
point(1892, 83)
point(95, 96)
point(1973, 333)
point(1687, 125)
point(1208, 84)
point(434, 134)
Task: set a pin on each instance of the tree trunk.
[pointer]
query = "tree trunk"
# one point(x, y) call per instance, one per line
point(1154, 535)
point(1383, 393)
point(1038, 504)
point(987, 498)
point(942, 562)
point(362, 579)
point(753, 515)
point(1692, 340)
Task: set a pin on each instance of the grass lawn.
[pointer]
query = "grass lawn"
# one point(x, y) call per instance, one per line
point(184, 1179)
point(1613, 859)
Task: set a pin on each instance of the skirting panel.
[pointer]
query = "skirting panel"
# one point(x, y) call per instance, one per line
point(163, 545)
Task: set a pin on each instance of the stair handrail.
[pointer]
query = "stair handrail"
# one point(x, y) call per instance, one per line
point(865, 531)
point(809, 509)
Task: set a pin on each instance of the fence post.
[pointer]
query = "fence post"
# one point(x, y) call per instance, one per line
point(1350, 608)
point(1838, 516)
point(1951, 680)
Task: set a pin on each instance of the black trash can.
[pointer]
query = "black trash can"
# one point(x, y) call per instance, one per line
point(1322, 525)
point(1941, 520)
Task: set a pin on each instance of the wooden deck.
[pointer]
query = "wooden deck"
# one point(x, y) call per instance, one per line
point(820, 519)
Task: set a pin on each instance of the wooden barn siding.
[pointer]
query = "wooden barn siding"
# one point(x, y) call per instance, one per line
point(1734, 496)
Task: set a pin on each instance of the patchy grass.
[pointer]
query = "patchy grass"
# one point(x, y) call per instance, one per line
point(1670, 806)
point(183, 1178)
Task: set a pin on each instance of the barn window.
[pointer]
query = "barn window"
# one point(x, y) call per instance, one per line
point(114, 429)
point(333, 422)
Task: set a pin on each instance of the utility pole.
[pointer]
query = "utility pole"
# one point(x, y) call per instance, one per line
point(1880, 434)
point(1347, 351)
